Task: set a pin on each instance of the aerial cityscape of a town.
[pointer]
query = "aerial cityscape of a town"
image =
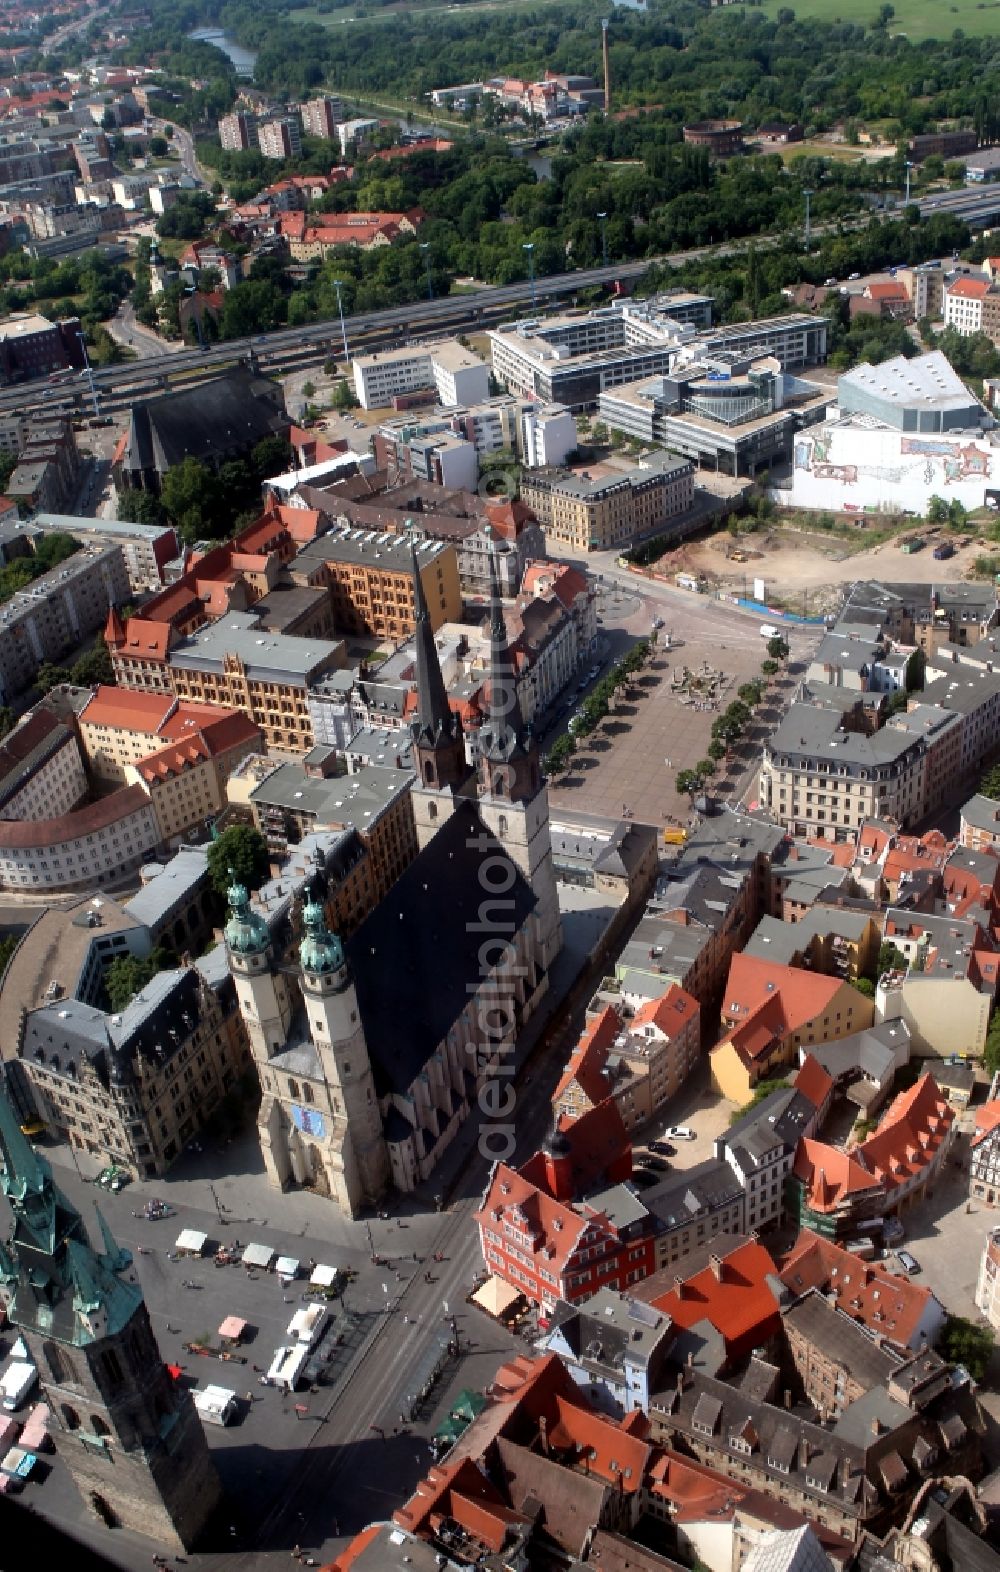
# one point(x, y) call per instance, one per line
point(500, 785)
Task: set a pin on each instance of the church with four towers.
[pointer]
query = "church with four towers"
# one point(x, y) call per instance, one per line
point(372, 1052)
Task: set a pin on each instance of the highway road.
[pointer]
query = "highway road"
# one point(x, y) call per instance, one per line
point(286, 347)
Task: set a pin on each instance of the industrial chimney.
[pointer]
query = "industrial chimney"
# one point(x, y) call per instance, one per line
point(607, 67)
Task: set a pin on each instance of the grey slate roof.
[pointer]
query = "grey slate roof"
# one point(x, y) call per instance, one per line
point(427, 927)
point(235, 410)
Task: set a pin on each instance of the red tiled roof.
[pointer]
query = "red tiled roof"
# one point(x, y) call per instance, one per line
point(754, 980)
point(589, 1057)
point(147, 640)
point(886, 291)
point(987, 1119)
point(125, 709)
point(813, 1081)
point(26, 834)
point(611, 1453)
point(540, 1208)
point(738, 1298)
point(969, 288)
point(174, 759)
point(693, 1490)
point(909, 1134)
point(829, 1174)
point(671, 1013)
point(890, 1305)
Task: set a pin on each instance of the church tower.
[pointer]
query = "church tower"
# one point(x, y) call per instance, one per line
point(513, 799)
point(443, 773)
point(267, 1003)
point(128, 1434)
point(357, 1152)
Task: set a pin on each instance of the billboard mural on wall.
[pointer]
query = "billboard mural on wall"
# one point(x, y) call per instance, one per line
point(849, 465)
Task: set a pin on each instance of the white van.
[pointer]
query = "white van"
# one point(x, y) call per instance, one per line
point(215, 1404)
point(307, 1324)
point(287, 1366)
point(18, 1380)
point(769, 631)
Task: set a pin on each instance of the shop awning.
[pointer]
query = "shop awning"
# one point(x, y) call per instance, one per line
point(258, 1255)
point(232, 1329)
point(191, 1241)
point(324, 1276)
point(468, 1404)
point(495, 1296)
point(286, 1266)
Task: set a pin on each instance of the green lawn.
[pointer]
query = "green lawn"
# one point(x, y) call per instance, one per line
point(917, 19)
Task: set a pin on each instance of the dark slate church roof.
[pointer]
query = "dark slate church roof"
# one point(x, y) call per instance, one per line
point(415, 954)
point(229, 413)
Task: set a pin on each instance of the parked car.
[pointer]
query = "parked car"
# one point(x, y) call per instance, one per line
point(679, 1132)
point(664, 1148)
point(656, 1163)
point(909, 1263)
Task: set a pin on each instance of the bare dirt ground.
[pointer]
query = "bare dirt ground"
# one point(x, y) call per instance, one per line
point(814, 567)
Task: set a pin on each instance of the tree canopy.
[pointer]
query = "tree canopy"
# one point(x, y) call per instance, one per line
point(241, 851)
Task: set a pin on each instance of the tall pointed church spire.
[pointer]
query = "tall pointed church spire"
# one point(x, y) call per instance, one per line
point(23, 1171)
point(438, 743)
point(436, 719)
point(116, 1258)
point(503, 735)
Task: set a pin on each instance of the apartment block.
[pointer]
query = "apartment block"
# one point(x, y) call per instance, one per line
point(594, 511)
point(280, 138)
point(57, 612)
point(321, 117)
point(370, 579)
point(456, 374)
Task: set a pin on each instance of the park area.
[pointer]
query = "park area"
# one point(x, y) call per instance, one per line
point(912, 19)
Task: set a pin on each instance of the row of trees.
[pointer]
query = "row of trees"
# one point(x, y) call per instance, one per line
point(729, 728)
point(207, 504)
point(597, 706)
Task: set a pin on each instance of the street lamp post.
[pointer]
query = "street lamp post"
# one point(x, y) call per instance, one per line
point(807, 193)
point(602, 219)
point(529, 247)
point(340, 307)
point(426, 249)
point(89, 370)
point(909, 166)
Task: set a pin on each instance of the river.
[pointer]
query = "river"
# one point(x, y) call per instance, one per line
point(243, 59)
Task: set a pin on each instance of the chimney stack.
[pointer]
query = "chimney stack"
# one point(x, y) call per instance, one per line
point(788, 1397)
point(680, 1382)
point(715, 1262)
point(607, 67)
point(543, 1433)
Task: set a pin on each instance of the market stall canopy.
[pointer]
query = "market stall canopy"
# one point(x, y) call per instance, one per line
point(191, 1241)
point(495, 1296)
point(258, 1255)
point(468, 1404)
point(286, 1266)
point(450, 1430)
point(324, 1276)
point(232, 1329)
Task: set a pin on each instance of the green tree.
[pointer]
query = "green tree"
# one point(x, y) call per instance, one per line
point(964, 1343)
point(991, 1048)
point(769, 667)
point(50, 676)
point(890, 959)
point(343, 396)
point(689, 783)
point(272, 456)
point(777, 649)
point(716, 749)
point(241, 851)
point(94, 667)
point(989, 783)
point(141, 507)
point(864, 985)
point(706, 768)
point(559, 755)
point(189, 492)
point(125, 977)
point(761, 1090)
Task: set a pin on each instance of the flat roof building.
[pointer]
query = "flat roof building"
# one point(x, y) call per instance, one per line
point(918, 394)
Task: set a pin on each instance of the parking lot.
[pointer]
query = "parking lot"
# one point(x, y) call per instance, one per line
point(946, 1233)
point(289, 1472)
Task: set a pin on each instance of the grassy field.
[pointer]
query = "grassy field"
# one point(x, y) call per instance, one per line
point(917, 19)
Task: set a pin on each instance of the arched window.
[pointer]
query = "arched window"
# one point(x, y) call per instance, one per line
point(99, 1426)
point(428, 773)
point(432, 810)
point(60, 1365)
point(502, 825)
point(293, 1090)
point(71, 1417)
point(307, 1093)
